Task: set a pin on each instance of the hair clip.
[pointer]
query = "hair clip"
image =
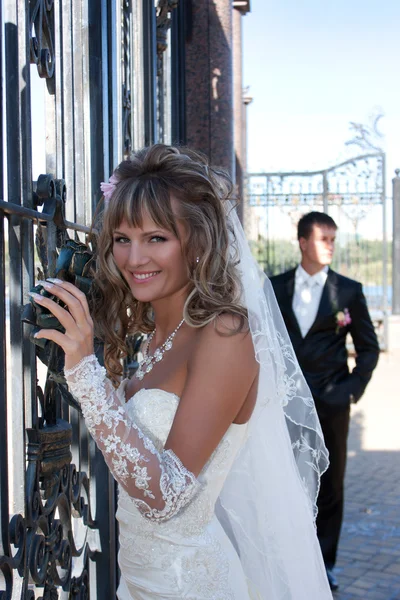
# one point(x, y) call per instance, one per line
point(108, 187)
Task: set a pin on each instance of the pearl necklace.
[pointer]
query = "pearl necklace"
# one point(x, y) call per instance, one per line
point(148, 362)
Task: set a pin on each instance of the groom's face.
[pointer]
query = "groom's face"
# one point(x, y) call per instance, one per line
point(318, 248)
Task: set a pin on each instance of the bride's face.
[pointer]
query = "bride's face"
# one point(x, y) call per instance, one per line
point(151, 260)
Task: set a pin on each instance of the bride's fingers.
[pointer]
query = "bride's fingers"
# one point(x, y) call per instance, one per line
point(77, 341)
point(66, 319)
point(54, 336)
point(75, 348)
point(74, 291)
point(74, 299)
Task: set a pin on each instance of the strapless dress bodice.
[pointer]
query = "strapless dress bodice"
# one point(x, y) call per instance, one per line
point(153, 410)
point(189, 555)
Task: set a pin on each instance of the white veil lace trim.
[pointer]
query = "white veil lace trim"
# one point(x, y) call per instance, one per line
point(268, 503)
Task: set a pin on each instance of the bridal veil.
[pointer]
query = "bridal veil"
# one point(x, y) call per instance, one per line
point(268, 503)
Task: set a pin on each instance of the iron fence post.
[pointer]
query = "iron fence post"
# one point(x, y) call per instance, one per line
point(385, 260)
point(396, 245)
point(325, 192)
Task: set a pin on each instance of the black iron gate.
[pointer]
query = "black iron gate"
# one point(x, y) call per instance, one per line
point(113, 71)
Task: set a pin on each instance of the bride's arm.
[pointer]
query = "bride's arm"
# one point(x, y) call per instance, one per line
point(161, 483)
point(157, 481)
point(221, 371)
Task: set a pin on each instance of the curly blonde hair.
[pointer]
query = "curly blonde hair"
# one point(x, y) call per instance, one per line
point(144, 185)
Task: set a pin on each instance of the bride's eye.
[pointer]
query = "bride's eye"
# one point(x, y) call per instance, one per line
point(120, 239)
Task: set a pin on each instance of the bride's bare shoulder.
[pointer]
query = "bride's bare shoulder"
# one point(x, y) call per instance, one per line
point(227, 325)
point(225, 337)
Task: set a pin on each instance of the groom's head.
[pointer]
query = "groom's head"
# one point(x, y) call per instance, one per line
point(316, 232)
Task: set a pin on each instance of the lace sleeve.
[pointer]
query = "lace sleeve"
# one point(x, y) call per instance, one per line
point(157, 481)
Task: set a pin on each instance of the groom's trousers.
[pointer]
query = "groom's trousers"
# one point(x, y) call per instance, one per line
point(335, 428)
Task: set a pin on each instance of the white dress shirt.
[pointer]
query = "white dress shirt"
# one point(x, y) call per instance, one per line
point(307, 296)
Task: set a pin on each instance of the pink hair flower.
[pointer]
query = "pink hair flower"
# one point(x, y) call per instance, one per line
point(108, 187)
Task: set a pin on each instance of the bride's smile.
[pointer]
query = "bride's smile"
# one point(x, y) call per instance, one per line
point(150, 259)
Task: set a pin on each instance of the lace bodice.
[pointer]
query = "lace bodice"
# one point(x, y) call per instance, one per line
point(132, 436)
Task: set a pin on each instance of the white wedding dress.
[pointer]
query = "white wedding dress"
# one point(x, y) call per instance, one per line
point(190, 555)
point(182, 551)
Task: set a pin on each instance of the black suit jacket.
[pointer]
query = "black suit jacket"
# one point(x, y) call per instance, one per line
point(322, 354)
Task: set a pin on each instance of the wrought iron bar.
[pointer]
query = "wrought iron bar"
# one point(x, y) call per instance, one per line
point(138, 77)
point(396, 243)
point(325, 192)
point(38, 216)
point(310, 199)
point(127, 76)
point(150, 70)
point(349, 161)
point(385, 345)
point(164, 8)
point(179, 29)
point(7, 563)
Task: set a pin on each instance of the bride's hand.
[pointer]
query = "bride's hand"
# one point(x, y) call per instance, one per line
point(77, 341)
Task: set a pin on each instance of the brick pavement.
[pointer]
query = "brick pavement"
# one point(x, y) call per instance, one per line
point(368, 565)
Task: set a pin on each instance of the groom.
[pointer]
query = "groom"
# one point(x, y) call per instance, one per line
point(319, 307)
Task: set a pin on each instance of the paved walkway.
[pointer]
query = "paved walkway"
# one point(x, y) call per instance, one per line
point(368, 565)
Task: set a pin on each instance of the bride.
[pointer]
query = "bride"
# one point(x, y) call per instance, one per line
point(214, 442)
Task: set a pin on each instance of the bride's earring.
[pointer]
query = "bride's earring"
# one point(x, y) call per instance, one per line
point(197, 260)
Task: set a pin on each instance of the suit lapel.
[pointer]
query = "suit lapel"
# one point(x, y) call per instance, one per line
point(328, 300)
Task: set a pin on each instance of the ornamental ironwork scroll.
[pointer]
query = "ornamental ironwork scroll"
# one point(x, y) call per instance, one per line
point(368, 137)
point(54, 499)
point(57, 506)
point(41, 19)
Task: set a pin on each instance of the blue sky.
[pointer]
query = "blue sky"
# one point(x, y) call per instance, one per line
point(312, 67)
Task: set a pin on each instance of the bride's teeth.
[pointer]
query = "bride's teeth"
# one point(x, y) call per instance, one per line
point(145, 276)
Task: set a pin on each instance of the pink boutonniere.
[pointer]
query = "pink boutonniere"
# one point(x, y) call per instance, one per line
point(342, 319)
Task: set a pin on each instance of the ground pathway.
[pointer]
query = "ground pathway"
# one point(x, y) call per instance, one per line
point(369, 553)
